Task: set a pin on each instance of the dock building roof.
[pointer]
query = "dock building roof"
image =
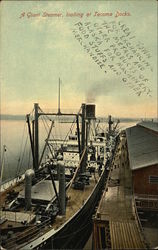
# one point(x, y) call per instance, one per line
point(142, 145)
point(149, 125)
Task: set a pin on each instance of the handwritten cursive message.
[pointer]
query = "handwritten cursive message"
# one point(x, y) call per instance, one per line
point(112, 47)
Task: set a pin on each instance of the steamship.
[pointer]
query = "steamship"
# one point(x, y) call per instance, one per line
point(51, 205)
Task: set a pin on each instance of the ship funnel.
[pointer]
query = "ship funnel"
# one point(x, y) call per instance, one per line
point(90, 111)
point(62, 193)
point(28, 184)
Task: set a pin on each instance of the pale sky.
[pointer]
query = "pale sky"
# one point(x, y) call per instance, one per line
point(36, 51)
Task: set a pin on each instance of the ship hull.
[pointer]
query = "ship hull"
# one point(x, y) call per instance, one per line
point(75, 232)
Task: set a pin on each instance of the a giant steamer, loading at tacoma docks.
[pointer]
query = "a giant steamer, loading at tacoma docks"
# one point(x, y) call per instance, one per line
point(51, 205)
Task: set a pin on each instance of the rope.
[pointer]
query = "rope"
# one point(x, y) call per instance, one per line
point(47, 124)
point(48, 131)
point(72, 125)
point(10, 152)
point(31, 113)
point(71, 128)
point(45, 115)
point(5, 161)
point(20, 165)
point(7, 164)
point(44, 125)
point(29, 159)
point(21, 147)
point(46, 121)
point(2, 162)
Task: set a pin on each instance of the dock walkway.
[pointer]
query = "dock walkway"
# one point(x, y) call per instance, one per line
point(115, 224)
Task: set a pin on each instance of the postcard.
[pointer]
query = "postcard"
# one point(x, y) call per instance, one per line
point(92, 60)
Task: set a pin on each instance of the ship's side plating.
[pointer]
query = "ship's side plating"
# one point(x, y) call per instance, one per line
point(75, 232)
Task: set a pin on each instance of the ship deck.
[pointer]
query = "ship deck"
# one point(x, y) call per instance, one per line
point(76, 200)
point(115, 224)
point(14, 220)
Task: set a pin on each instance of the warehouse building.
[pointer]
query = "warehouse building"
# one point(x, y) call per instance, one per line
point(142, 142)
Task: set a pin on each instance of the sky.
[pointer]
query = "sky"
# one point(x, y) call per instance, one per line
point(37, 50)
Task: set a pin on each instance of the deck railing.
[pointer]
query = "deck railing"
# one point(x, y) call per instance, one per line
point(145, 196)
point(26, 235)
point(139, 225)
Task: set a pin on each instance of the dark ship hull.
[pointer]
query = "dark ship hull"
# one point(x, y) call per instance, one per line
point(69, 237)
point(75, 232)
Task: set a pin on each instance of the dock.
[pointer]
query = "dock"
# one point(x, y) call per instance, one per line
point(115, 222)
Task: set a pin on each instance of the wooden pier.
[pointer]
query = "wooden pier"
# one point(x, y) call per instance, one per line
point(115, 222)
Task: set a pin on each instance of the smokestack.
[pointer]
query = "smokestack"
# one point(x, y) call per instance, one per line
point(90, 115)
point(90, 111)
point(28, 185)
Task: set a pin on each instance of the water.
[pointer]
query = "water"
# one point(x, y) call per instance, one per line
point(14, 134)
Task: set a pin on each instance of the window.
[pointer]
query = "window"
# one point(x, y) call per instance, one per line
point(153, 179)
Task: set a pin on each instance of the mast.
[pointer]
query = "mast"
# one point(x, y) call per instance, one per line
point(54, 186)
point(83, 136)
point(36, 139)
point(110, 124)
point(31, 140)
point(78, 135)
point(59, 112)
point(87, 138)
point(33, 133)
point(2, 166)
